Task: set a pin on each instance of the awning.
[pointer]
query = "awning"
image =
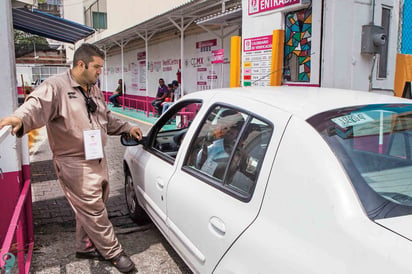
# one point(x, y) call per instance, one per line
point(49, 26)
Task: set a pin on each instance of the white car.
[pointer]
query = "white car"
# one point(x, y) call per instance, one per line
point(279, 180)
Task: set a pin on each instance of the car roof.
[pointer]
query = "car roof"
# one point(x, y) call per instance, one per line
point(303, 102)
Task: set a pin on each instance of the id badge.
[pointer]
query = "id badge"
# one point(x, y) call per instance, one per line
point(93, 147)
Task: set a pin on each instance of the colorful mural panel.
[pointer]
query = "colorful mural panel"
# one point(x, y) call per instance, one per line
point(298, 34)
point(407, 28)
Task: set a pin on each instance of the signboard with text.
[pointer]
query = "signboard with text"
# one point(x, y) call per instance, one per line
point(206, 45)
point(257, 59)
point(259, 6)
point(218, 56)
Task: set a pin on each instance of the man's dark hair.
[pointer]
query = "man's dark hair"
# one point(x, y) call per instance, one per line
point(85, 53)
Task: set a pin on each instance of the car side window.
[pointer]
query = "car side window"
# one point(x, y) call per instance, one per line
point(247, 159)
point(172, 128)
point(229, 149)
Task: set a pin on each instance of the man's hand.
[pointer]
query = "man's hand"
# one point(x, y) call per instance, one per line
point(136, 133)
point(12, 121)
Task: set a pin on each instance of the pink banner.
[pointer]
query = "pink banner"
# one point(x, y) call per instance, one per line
point(258, 6)
point(218, 56)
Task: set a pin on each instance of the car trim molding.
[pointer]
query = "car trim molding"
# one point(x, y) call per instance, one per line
point(186, 242)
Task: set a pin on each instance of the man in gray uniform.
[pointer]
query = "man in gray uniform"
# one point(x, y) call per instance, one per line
point(78, 122)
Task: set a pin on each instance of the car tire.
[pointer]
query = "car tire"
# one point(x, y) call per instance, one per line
point(136, 212)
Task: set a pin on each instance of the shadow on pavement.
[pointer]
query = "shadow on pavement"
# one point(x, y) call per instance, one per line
point(54, 250)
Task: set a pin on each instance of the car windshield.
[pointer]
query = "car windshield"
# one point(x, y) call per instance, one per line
point(374, 144)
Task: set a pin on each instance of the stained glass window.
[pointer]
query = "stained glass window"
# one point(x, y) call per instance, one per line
point(298, 36)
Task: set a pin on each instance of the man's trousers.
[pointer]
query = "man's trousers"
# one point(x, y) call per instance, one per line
point(86, 186)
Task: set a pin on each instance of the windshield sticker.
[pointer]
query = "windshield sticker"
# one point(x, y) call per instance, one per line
point(352, 119)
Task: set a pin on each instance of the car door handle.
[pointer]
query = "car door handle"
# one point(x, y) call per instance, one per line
point(217, 226)
point(159, 183)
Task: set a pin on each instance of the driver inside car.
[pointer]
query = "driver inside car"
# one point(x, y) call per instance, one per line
point(215, 151)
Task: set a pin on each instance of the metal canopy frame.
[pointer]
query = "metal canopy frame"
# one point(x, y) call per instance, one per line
point(50, 26)
point(193, 10)
point(181, 18)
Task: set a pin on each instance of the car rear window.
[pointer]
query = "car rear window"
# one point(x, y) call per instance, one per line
point(374, 144)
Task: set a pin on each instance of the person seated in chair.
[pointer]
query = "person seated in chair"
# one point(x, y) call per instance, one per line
point(162, 93)
point(174, 95)
point(118, 92)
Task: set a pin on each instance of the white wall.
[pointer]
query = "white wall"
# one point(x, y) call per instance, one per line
point(343, 64)
point(26, 71)
point(259, 25)
point(164, 63)
point(73, 10)
point(122, 14)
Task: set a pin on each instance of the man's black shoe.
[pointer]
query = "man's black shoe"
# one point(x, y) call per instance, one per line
point(123, 263)
point(92, 255)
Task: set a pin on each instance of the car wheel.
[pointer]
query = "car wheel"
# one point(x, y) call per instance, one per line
point(136, 212)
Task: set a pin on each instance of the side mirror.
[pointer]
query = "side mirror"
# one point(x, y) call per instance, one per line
point(128, 140)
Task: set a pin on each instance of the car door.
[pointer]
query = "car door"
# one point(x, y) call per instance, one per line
point(209, 209)
point(154, 164)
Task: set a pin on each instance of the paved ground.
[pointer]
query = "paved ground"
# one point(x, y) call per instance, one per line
point(54, 224)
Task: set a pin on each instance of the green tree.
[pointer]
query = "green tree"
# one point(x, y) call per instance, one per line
point(26, 43)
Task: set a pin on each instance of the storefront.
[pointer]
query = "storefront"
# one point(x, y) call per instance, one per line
point(321, 44)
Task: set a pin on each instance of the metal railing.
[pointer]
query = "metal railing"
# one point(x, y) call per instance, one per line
point(138, 104)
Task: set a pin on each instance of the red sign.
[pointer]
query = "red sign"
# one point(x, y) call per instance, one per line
point(258, 6)
point(218, 56)
point(141, 55)
point(207, 43)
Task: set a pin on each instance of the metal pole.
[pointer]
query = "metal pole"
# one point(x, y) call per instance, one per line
point(146, 44)
point(211, 78)
point(222, 39)
point(105, 74)
point(277, 58)
point(235, 55)
point(182, 29)
point(182, 70)
point(146, 39)
point(123, 84)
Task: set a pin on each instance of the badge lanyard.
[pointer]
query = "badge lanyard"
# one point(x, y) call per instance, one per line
point(92, 138)
point(90, 104)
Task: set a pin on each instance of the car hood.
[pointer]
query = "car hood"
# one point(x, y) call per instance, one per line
point(401, 225)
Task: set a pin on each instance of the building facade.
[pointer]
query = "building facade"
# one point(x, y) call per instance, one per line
point(323, 43)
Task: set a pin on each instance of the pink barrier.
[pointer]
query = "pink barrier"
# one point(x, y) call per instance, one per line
point(20, 91)
point(142, 103)
point(16, 228)
point(139, 104)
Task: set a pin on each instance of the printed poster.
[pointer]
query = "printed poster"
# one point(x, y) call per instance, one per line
point(257, 61)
